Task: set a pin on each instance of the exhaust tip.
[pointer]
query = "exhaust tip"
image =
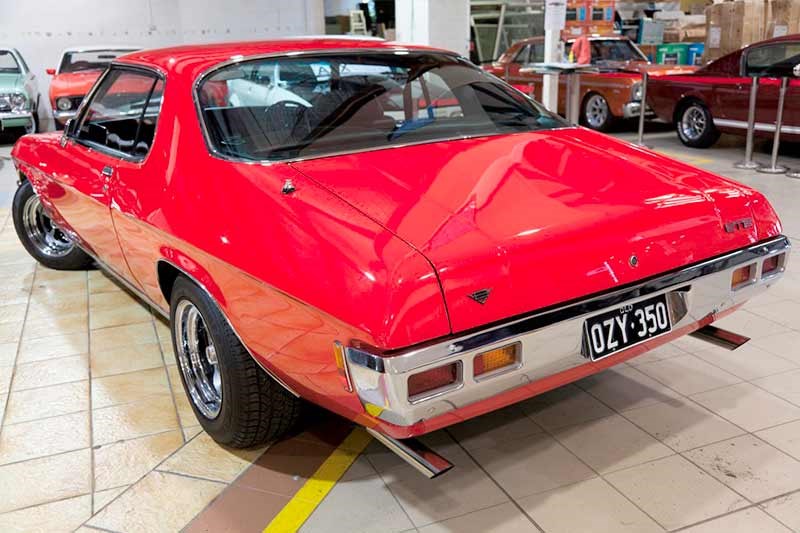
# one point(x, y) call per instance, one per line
point(423, 459)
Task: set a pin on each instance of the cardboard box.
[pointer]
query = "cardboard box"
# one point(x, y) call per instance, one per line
point(782, 17)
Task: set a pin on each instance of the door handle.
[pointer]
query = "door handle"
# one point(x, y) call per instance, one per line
point(108, 171)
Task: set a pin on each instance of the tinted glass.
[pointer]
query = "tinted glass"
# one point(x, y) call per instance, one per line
point(287, 108)
point(8, 65)
point(94, 60)
point(611, 50)
point(773, 60)
point(122, 115)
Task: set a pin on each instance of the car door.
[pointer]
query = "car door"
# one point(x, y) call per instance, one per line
point(103, 142)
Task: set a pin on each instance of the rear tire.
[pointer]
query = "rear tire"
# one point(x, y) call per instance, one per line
point(234, 400)
point(596, 113)
point(695, 125)
point(43, 240)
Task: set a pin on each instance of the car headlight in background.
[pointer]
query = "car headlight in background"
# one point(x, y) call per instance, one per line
point(64, 104)
point(18, 101)
point(636, 92)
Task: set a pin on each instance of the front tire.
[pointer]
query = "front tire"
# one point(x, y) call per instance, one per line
point(595, 113)
point(42, 238)
point(234, 400)
point(695, 126)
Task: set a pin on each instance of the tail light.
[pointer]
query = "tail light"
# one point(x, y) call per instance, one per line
point(742, 276)
point(771, 265)
point(426, 382)
point(497, 359)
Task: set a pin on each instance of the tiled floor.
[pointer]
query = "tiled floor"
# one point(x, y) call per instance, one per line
point(96, 431)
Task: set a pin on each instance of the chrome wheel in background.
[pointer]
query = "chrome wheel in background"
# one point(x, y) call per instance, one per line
point(596, 112)
point(693, 122)
point(197, 358)
point(42, 232)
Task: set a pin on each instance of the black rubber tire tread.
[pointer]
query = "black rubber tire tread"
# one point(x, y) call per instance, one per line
point(610, 119)
point(709, 137)
point(255, 408)
point(77, 259)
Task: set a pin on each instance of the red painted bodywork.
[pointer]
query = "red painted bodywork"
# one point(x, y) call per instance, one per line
point(724, 89)
point(382, 247)
point(615, 87)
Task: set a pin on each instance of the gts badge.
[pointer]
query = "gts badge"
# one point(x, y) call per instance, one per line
point(481, 296)
point(738, 225)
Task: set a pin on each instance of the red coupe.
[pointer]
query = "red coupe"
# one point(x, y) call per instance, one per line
point(384, 230)
point(716, 98)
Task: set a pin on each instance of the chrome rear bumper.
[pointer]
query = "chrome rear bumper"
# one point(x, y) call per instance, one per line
point(551, 340)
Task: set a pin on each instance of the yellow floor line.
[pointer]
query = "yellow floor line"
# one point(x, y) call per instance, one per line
point(320, 484)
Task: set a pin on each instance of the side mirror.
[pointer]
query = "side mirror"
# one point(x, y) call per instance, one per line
point(796, 70)
point(51, 71)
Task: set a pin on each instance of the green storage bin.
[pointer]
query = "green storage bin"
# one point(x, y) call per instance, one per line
point(673, 54)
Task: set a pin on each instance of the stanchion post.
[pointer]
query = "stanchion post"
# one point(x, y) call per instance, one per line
point(774, 168)
point(748, 162)
point(642, 110)
point(574, 97)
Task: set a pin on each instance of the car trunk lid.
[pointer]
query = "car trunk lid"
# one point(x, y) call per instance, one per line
point(537, 219)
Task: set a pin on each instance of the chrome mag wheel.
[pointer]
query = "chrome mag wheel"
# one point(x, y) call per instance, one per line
point(693, 123)
point(42, 232)
point(596, 111)
point(197, 358)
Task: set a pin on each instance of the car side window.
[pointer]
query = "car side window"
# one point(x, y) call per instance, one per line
point(773, 60)
point(122, 114)
point(522, 55)
point(537, 53)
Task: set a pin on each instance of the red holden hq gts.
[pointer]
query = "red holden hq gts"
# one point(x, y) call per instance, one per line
point(384, 230)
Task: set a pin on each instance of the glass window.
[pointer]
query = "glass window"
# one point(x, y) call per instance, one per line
point(523, 55)
point(537, 53)
point(123, 113)
point(611, 50)
point(773, 60)
point(90, 60)
point(298, 107)
point(8, 64)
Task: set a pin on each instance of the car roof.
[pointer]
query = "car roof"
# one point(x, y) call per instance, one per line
point(102, 48)
point(194, 59)
point(792, 37)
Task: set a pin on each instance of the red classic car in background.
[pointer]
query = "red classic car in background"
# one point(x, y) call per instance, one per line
point(77, 71)
point(613, 93)
point(716, 98)
point(315, 227)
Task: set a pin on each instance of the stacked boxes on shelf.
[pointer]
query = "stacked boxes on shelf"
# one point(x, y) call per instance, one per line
point(731, 25)
point(589, 17)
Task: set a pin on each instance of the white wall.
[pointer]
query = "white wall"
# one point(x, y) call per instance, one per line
point(339, 7)
point(40, 29)
point(440, 23)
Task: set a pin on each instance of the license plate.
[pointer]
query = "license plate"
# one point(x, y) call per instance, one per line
point(622, 328)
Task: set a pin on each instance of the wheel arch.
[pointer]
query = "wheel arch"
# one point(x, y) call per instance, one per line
point(683, 103)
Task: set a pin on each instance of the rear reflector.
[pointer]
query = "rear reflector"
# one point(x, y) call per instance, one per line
point(742, 276)
point(771, 265)
point(341, 365)
point(433, 379)
point(496, 359)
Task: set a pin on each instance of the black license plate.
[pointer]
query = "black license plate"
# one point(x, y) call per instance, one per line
point(622, 328)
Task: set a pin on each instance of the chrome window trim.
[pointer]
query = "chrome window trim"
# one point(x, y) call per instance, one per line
point(440, 350)
point(81, 111)
point(213, 152)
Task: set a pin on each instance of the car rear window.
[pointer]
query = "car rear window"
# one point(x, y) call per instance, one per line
point(288, 108)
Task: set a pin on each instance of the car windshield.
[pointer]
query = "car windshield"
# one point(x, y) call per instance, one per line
point(94, 60)
point(273, 109)
point(612, 50)
point(8, 63)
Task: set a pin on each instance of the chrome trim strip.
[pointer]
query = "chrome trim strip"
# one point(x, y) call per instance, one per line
point(544, 318)
point(230, 325)
point(760, 126)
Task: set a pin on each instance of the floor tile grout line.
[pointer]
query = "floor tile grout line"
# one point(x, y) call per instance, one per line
point(153, 319)
point(598, 474)
point(91, 410)
point(388, 488)
point(16, 356)
point(192, 476)
point(48, 502)
point(502, 489)
point(168, 457)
